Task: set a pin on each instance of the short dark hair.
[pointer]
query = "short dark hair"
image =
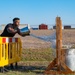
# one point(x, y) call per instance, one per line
point(16, 19)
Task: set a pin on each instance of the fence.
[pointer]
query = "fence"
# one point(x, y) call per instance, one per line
point(10, 50)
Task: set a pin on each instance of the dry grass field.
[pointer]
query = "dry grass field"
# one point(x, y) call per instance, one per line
point(32, 42)
point(37, 54)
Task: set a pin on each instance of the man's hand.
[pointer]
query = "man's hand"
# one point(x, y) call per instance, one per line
point(24, 33)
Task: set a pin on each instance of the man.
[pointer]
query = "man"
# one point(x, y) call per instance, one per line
point(11, 29)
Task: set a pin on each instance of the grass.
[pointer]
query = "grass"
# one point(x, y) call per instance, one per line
point(17, 73)
point(34, 62)
point(37, 54)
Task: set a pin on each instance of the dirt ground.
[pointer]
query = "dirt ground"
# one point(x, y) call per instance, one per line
point(32, 42)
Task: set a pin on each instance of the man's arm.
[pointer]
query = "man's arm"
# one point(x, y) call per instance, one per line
point(10, 29)
point(18, 31)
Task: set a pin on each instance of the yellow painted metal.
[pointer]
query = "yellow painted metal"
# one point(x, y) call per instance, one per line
point(10, 52)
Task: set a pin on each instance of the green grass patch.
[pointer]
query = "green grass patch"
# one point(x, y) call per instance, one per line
point(37, 54)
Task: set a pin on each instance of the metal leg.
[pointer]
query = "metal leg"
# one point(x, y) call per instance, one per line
point(2, 69)
point(11, 66)
point(16, 65)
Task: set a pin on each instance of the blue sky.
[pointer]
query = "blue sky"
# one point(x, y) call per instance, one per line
point(35, 12)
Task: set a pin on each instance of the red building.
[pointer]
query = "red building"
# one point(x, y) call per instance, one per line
point(43, 26)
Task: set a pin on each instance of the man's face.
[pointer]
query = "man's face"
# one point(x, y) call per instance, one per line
point(16, 22)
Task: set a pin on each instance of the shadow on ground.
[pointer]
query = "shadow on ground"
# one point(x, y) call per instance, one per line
point(26, 69)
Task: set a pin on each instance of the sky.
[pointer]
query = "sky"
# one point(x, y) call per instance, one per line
point(35, 12)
